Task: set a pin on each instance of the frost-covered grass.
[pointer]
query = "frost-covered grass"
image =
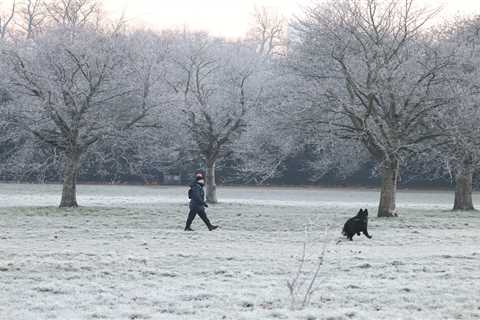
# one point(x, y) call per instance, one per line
point(125, 256)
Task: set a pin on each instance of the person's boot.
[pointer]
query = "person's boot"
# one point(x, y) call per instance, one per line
point(188, 229)
point(207, 222)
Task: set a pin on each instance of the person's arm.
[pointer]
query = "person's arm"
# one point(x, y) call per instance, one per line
point(196, 195)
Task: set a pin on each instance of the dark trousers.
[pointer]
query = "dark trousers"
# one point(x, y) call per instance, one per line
point(201, 213)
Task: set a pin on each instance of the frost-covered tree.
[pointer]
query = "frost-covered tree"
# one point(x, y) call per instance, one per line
point(374, 70)
point(217, 84)
point(152, 135)
point(458, 149)
point(297, 128)
point(6, 133)
point(66, 86)
point(270, 137)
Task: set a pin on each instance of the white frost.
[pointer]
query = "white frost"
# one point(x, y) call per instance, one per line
point(125, 256)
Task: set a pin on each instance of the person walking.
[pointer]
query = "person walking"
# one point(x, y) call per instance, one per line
point(197, 203)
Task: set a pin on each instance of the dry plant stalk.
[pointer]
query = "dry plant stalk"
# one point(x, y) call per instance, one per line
point(301, 288)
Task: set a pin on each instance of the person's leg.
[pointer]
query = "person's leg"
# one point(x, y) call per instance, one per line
point(203, 215)
point(191, 216)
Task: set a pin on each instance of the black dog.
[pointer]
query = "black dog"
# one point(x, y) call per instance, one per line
point(356, 225)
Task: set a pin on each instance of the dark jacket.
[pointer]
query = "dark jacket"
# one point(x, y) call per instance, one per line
point(197, 195)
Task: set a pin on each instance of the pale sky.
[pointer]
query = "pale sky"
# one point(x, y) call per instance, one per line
point(231, 18)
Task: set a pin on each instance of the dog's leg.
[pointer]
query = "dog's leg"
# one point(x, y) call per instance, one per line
point(365, 232)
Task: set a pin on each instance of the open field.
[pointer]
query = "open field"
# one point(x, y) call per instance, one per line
point(124, 256)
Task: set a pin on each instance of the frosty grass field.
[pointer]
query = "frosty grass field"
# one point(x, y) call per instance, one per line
point(124, 256)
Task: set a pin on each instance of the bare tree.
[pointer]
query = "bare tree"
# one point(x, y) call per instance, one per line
point(32, 15)
point(74, 13)
point(6, 20)
point(375, 71)
point(268, 31)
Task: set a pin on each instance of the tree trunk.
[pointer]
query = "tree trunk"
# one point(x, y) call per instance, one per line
point(70, 174)
point(463, 190)
point(388, 193)
point(211, 185)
